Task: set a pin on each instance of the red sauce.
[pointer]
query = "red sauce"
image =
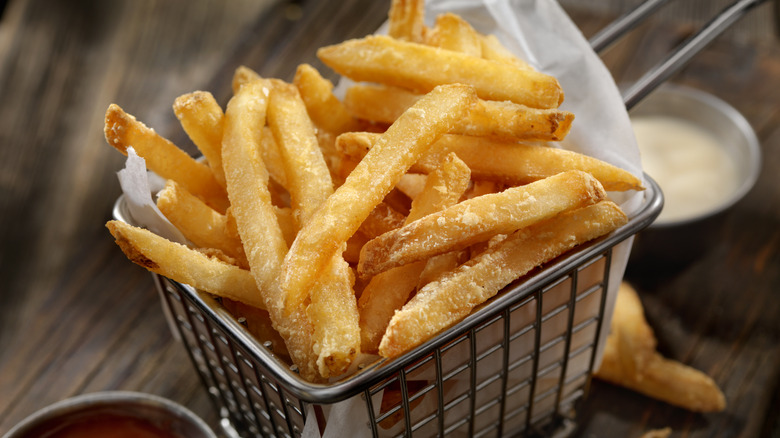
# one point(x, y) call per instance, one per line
point(104, 425)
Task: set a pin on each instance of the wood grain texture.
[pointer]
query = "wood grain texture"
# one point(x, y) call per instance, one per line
point(78, 317)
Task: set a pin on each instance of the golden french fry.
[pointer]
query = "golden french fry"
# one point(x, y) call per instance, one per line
point(411, 184)
point(201, 117)
point(388, 291)
point(122, 130)
point(511, 163)
point(200, 224)
point(493, 50)
point(308, 177)
point(243, 75)
point(373, 178)
point(264, 243)
point(325, 109)
point(452, 32)
point(664, 379)
point(630, 360)
point(440, 304)
point(420, 68)
point(333, 308)
point(185, 265)
point(382, 219)
point(406, 20)
point(479, 219)
point(500, 120)
point(634, 337)
point(334, 315)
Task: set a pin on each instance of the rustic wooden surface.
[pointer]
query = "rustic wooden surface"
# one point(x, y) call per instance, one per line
point(77, 317)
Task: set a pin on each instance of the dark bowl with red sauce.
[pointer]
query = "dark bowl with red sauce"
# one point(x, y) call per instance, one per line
point(113, 414)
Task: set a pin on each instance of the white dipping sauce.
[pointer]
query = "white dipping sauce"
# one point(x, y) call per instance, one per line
point(688, 162)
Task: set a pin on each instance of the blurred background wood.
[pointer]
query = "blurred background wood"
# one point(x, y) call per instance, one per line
point(77, 317)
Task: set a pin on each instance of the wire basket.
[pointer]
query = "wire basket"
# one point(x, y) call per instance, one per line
point(514, 366)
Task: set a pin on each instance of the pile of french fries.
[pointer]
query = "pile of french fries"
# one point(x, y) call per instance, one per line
point(371, 222)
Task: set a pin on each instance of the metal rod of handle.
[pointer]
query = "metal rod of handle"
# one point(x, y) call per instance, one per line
point(616, 29)
point(685, 51)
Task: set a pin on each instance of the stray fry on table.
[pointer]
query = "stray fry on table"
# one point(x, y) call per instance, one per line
point(630, 360)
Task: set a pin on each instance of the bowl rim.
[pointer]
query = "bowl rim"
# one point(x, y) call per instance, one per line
point(84, 402)
point(754, 154)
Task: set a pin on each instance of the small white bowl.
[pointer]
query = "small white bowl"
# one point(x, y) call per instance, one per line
point(682, 239)
point(146, 411)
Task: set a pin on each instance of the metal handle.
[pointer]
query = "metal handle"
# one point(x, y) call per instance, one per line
point(659, 73)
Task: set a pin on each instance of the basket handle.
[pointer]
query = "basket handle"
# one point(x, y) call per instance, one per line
point(683, 53)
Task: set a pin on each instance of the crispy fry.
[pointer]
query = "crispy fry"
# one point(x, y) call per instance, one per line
point(373, 178)
point(452, 32)
point(163, 157)
point(479, 219)
point(325, 109)
point(201, 117)
point(493, 50)
point(200, 224)
point(247, 180)
point(382, 219)
point(512, 163)
point(442, 303)
point(406, 20)
point(241, 76)
point(333, 309)
point(388, 291)
point(185, 265)
point(635, 338)
point(308, 177)
point(378, 58)
point(630, 360)
point(500, 120)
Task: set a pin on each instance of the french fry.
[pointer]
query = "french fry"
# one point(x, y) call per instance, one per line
point(308, 177)
point(388, 291)
point(325, 109)
point(420, 68)
point(264, 243)
point(493, 50)
point(200, 224)
point(500, 120)
point(241, 76)
point(411, 184)
point(163, 157)
point(452, 32)
point(630, 360)
point(635, 338)
point(479, 219)
point(406, 20)
point(185, 265)
point(373, 178)
point(333, 309)
point(201, 117)
point(272, 157)
point(511, 163)
point(442, 303)
point(382, 219)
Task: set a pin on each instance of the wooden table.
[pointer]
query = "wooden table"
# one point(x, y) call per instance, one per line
point(77, 317)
